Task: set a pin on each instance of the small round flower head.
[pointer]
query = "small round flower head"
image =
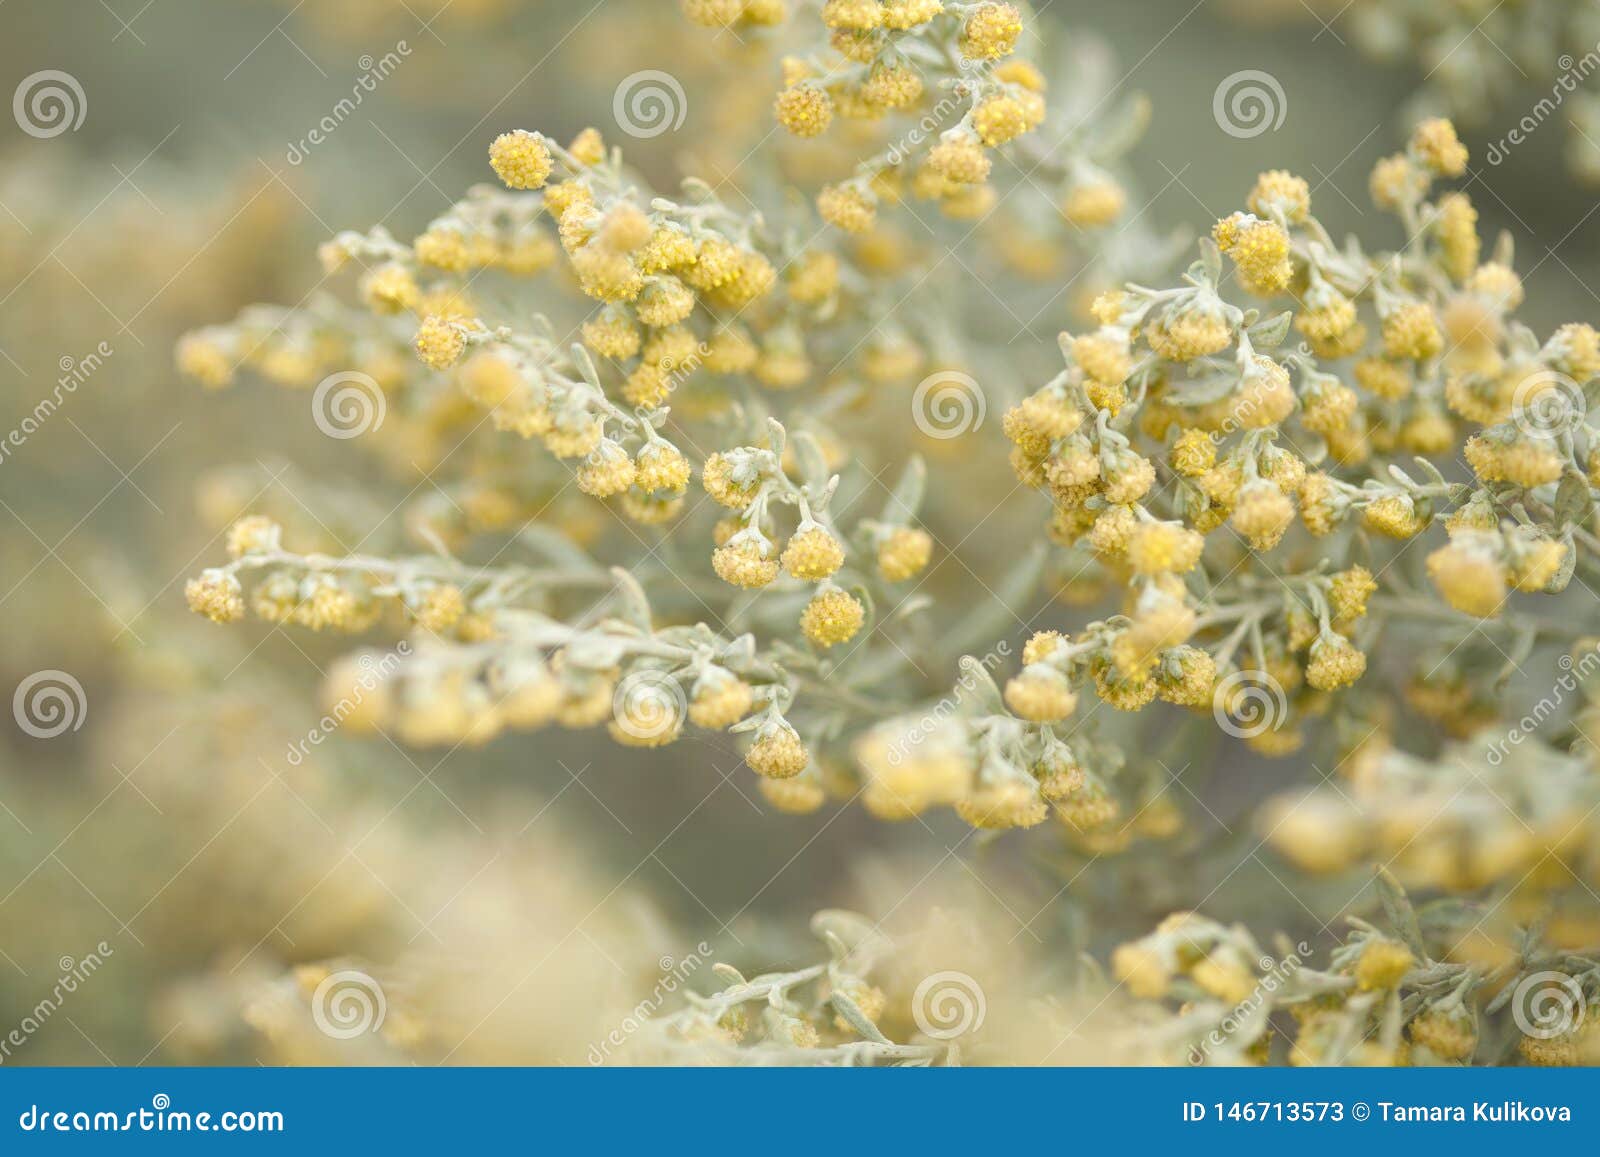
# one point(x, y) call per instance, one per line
point(1522, 461)
point(1262, 515)
point(1383, 964)
point(832, 616)
point(574, 437)
point(1456, 228)
point(1388, 380)
point(1014, 803)
point(1329, 409)
point(1164, 548)
point(607, 470)
point(743, 561)
point(1260, 251)
point(1394, 515)
point(777, 752)
point(892, 86)
point(1280, 193)
point(990, 31)
point(813, 554)
point(1040, 694)
point(805, 109)
point(904, 553)
point(1449, 1035)
point(1470, 575)
point(440, 608)
point(1094, 202)
point(612, 334)
point(588, 147)
point(659, 466)
point(1041, 645)
point(1335, 663)
point(1000, 119)
point(799, 795)
point(1192, 330)
point(903, 15)
point(521, 159)
point(1142, 969)
point(730, 350)
point(216, 594)
point(390, 288)
point(1194, 453)
point(1187, 676)
point(721, 484)
point(720, 700)
point(439, 343)
point(665, 301)
point(1435, 144)
point(1534, 564)
point(254, 534)
point(1575, 351)
point(443, 248)
point(1412, 331)
point(202, 357)
point(1348, 592)
point(960, 159)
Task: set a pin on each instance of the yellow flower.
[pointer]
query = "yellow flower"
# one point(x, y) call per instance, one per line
point(904, 553)
point(833, 616)
point(990, 31)
point(520, 159)
point(777, 753)
point(804, 109)
point(813, 554)
point(1335, 663)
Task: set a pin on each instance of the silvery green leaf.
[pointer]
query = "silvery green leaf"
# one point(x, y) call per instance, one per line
point(851, 1011)
point(1402, 916)
point(906, 498)
point(729, 973)
point(633, 604)
point(595, 652)
point(1117, 134)
point(1573, 502)
point(1211, 260)
point(813, 466)
point(557, 549)
point(978, 688)
point(1269, 334)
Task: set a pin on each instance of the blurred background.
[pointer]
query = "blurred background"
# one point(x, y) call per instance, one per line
point(162, 833)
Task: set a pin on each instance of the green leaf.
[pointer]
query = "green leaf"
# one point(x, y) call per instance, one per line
point(906, 498)
point(851, 1011)
point(1402, 916)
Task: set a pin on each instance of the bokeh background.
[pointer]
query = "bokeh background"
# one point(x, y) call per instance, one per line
point(164, 833)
